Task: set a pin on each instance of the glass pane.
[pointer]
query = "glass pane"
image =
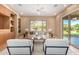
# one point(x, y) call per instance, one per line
point(44, 25)
point(32, 26)
point(65, 29)
point(75, 33)
point(38, 25)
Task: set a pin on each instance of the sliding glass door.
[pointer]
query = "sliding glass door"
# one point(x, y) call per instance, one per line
point(75, 33)
point(71, 31)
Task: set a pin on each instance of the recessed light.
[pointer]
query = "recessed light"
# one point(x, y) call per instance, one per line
point(38, 10)
point(65, 5)
point(55, 5)
point(19, 4)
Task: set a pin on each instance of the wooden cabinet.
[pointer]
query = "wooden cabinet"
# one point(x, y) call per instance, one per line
point(5, 34)
point(7, 19)
point(7, 24)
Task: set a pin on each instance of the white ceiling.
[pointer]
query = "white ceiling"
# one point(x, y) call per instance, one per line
point(38, 9)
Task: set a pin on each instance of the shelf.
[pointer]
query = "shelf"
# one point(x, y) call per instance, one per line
point(12, 23)
point(12, 29)
point(19, 25)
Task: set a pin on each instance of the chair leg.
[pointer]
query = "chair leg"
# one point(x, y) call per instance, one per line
point(8, 51)
point(66, 50)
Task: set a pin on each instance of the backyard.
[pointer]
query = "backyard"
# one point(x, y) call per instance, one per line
point(74, 27)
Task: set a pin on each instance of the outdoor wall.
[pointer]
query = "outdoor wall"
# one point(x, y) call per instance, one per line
point(58, 21)
point(25, 20)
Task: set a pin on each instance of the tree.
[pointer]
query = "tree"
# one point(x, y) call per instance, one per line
point(76, 27)
point(66, 27)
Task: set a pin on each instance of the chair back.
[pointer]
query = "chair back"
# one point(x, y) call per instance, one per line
point(56, 47)
point(19, 46)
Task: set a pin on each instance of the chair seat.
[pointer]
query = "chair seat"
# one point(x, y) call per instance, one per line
point(19, 42)
point(52, 42)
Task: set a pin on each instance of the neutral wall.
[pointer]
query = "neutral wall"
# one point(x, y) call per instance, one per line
point(25, 20)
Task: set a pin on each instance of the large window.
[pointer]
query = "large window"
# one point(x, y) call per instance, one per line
point(38, 25)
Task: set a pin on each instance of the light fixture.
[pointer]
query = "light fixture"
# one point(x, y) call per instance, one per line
point(40, 10)
point(37, 10)
point(26, 29)
point(50, 30)
point(65, 5)
point(19, 4)
point(55, 5)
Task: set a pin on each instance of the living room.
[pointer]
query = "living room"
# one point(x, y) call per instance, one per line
point(38, 24)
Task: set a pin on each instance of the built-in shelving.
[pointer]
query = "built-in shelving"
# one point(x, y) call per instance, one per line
point(7, 24)
point(7, 20)
point(12, 23)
